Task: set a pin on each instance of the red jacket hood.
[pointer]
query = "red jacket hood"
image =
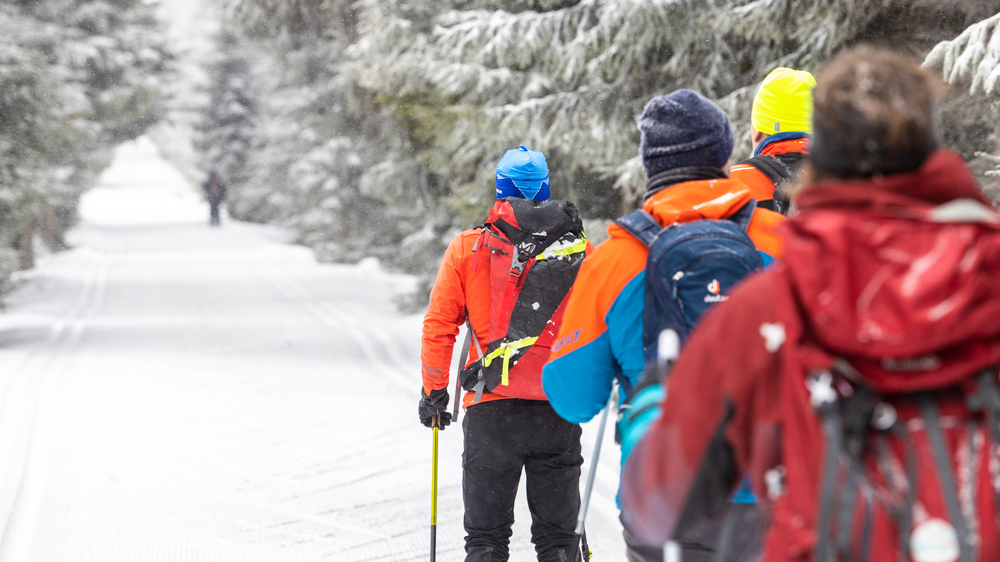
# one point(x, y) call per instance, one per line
point(900, 275)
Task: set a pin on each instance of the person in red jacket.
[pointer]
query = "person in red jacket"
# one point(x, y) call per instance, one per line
point(887, 299)
point(509, 428)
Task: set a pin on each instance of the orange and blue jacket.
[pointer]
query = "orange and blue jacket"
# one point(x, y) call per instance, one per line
point(600, 338)
point(760, 185)
point(463, 284)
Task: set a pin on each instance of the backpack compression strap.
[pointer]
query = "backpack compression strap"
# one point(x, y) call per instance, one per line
point(779, 170)
point(987, 399)
point(641, 225)
point(775, 170)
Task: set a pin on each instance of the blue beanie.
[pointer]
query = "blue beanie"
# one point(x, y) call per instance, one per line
point(523, 173)
point(683, 129)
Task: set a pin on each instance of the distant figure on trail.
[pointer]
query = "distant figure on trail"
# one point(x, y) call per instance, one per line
point(857, 381)
point(508, 280)
point(215, 192)
point(780, 129)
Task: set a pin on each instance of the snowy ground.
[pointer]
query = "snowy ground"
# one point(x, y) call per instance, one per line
point(170, 391)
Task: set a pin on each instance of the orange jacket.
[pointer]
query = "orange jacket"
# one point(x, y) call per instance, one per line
point(760, 185)
point(461, 286)
point(600, 337)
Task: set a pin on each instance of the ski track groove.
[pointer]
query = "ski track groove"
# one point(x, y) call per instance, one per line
point(603, 501)
point(21, 513)
point(343, 324)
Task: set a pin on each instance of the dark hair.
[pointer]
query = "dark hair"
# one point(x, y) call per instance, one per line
point(875, 112)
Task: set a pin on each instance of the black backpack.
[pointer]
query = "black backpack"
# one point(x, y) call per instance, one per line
point(779, 169)
point(533, 252)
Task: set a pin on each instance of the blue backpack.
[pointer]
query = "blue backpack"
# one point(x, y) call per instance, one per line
point(690, 267)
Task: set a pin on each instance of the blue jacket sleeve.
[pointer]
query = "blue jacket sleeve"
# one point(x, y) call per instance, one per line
point(624, 322)
point(578, 384)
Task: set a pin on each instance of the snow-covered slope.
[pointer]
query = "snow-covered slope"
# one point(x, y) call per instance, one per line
point(170, 391)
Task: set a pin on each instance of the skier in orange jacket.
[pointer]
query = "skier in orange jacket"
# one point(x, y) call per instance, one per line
point(509, 279)
point(781, 126)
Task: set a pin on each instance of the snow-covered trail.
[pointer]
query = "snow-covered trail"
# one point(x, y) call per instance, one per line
point(174, 392)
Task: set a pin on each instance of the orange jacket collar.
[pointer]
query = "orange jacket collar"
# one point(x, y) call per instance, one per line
point(695, 200)
point(786, 146)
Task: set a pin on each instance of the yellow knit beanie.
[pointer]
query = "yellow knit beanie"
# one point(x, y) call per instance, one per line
point(784, 102)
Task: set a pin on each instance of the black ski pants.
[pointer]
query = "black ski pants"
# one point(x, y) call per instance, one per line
point(502, 437)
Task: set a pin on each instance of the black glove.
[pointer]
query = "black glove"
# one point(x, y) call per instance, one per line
point(434, 405)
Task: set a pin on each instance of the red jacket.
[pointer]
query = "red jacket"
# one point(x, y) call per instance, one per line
point(874, 273)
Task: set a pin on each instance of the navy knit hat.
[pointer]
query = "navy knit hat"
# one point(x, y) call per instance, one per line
point(683, 129)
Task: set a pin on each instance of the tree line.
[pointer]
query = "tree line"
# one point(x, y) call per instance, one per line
point(373, 127)
point(76, 79)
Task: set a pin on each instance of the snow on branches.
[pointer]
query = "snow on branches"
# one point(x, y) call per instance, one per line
point(432, 92)
point(76, 78)
point(974, 56)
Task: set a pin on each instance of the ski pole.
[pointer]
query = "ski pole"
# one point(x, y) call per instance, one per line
point(434, 491)
point(585, 548)
point(590, 476)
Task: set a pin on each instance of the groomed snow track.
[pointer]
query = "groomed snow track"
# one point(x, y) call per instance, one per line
point(174, 392)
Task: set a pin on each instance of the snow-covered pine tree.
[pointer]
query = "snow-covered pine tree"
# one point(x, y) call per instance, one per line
point(330, 162)
point(430, 93)
point(76, 78)
point(973, 57)
point(570, 78)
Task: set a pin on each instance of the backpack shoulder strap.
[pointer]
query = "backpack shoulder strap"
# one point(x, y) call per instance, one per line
point(642, 225)
point(744, 215)
point(775, 170)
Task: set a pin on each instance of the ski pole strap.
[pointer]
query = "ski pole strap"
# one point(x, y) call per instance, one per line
point(507, 350)
point(932, 421)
